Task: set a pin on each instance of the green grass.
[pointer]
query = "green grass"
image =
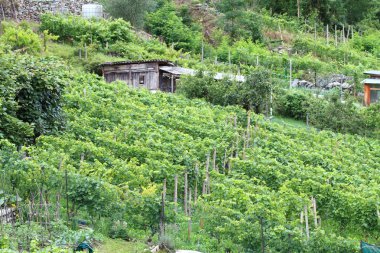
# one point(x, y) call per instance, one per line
point(121, 246)
point(289, 122)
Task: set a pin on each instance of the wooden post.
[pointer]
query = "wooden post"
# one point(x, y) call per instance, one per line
point(307, 223)
point(237, 146)
point(185, 194)
point(176, 193)
point(229, 57)
point(257, 60)
point(290, 73)
point(204, 187)
point(162, 216)
point(189, 221)
point(203, 50)
point(214, 160)
point(314, 202)
point(327, 34)
point(248, 134)
point(298, 9)
point(208, 174)
point(282, 37)
point(315, 31)
point(343, 35)
point(85, 52)
point(171, 83)
point(67, 199)
point(336, 37)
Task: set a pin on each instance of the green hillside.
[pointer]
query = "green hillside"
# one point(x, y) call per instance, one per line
point(121, 144)
point(208, 168)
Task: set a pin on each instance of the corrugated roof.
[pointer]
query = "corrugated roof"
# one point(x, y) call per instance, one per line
point(371, 81)
point(178, 70)
point(159, 61)
point(192, 72)
point(373, 72)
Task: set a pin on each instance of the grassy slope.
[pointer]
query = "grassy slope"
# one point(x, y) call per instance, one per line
point(120, 246)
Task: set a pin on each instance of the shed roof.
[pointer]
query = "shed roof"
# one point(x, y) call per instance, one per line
point(371, 81)
point(373, 72)
point(159, 61)
point(192, 72)
point(178, 70)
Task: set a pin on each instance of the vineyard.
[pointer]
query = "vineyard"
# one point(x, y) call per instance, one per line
point(211, 168)
point(216, 178)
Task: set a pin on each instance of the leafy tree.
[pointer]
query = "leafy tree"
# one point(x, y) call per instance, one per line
point(254, 93)
point(130, 10)
point(165, 23)
point(238, 22)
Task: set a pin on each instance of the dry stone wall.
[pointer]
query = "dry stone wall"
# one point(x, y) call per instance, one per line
point(32, 9)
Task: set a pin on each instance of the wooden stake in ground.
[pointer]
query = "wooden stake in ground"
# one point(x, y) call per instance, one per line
point(162, 216)
point(214, 160)
point(248, 128)
point(282, 37)
point(307, 223)
point(336, 37)
point(185, 194)
point(208, 174)
point(189, 222)
point(327, 35)
point(314, 203)
point(290, 73)
point(176, 193)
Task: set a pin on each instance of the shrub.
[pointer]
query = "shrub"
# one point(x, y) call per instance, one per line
point(333, 114)
point(165, 22)
point(119, 229)
point(30, 89)
point(21, 38)
point(292, 103)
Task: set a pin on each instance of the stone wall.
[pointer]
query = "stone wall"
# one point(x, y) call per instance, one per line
point(32, 9)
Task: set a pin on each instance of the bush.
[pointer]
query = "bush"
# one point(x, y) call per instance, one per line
point(21, 38)
point(333, 114)
point(119, 230)
point(292, 103)
point(30, 97)
point(165, 22)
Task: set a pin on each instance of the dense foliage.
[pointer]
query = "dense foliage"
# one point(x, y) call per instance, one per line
point(131, 10)
point(166, 23)
point(30, 97)
point(252, 94)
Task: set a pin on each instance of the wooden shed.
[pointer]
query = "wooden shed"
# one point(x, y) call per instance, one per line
point(150, 74)
point(372, 87)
